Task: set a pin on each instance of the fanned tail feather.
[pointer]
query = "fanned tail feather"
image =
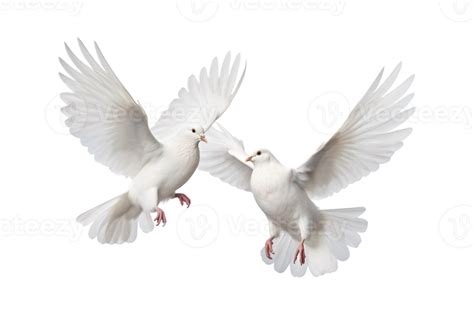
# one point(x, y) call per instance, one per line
point(338, 229)
point(116, 221)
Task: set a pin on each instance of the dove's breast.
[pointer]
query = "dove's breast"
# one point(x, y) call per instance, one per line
point(167, 173)
point(283, 202)
point(180, 166)
point(271, 189)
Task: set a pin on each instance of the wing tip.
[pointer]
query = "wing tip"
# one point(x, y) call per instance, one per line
point(410, 111)
point(68, 49)
point(409, 81)
point(408, 130)
point(63, 77)
point(396, 70)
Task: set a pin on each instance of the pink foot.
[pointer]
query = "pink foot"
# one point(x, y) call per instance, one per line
point(269, 248)
point(160, 216)
point(300, 252)
point(183, 199)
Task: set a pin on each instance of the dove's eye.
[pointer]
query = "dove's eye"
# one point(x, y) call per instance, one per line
point(193, 130)
point(259, 153)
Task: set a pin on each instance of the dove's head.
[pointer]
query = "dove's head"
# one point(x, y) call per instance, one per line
point(196, 134)
point(261, 156)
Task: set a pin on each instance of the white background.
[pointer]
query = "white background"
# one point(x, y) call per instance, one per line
point(306, 58)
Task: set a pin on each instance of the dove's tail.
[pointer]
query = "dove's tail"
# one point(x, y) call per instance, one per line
point(116, 221)
point(338, 229)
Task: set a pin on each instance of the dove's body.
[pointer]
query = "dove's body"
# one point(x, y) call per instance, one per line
point(285, 204)
point(162, 176)
point(319, 237)
point(167, 169)
point(291, 212)
point(114, 128)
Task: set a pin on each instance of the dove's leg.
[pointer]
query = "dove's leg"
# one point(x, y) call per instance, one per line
point(304, 225)
point(269, 247)
point(160, 216)
point(274, 233)
point(183, 198)
point(300, 252)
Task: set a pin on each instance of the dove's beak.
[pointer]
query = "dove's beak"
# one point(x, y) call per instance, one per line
point(250, 158)
point(203, 138)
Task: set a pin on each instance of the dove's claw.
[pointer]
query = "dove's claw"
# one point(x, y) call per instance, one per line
point(183, 199)
point(300, 252)
point(160, 217)
point(269, 248)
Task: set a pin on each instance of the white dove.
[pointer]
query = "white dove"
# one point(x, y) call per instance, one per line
point(114, 128)
point(298, 228)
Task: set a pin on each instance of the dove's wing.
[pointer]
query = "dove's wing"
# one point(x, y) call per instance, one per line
point(365, 140)
point(224, 158)
point(103, 115)
point(204, 101)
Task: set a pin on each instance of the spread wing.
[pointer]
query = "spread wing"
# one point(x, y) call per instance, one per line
point(369, 137)
point(103, 115)
point(224, 158)
point(204, 101)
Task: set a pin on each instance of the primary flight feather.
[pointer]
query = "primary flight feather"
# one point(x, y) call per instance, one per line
point(114, 128)
point(298, 228)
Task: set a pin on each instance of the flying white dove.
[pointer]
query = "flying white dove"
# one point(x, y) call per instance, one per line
point(301, 234)
point(114, 128)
